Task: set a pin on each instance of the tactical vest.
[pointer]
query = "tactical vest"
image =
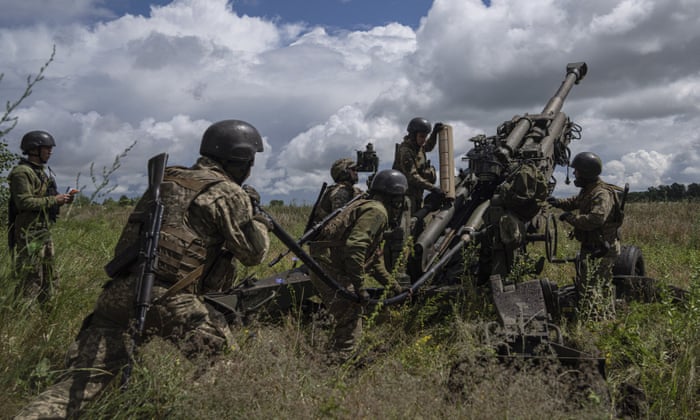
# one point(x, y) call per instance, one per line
point(610, 231)
point(180, 249)
point(336, 232)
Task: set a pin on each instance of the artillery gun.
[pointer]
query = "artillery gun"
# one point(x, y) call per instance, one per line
point(497, 204)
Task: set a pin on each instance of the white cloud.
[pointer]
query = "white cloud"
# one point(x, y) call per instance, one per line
point(317, 95)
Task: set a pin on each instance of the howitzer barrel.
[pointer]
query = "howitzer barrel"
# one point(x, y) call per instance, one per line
point(575, 72)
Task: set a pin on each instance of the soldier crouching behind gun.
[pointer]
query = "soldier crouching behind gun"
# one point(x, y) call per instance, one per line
point(208, 223)
point(596, 227)
point(347, 247)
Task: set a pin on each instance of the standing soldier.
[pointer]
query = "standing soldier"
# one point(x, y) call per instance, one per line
point(410, 160)
point(344, 174)
point(348, 247)
point(596, 226)
point(33, 207)
point(208, 223)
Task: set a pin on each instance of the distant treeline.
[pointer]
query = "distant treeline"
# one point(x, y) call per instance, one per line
point(673, 192)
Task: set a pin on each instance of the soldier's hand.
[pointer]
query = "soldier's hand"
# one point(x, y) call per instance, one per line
point(259, 217)
point(62, 199)
point(566, 217)
point(438, 127)
point(254, 196)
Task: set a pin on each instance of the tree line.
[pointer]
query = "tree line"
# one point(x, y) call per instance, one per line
point(673, 192)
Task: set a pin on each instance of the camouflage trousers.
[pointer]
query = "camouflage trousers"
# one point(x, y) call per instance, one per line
point(35, 265)
point(100, 351)
point(347, 315)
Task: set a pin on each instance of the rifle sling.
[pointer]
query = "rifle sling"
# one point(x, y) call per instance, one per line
point(184, 282)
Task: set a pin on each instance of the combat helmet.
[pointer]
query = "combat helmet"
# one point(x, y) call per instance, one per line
point(588, 165)
point(231, 141)
point(419, 125)
point(36, 138)
point(389, 182)
point(339, 170)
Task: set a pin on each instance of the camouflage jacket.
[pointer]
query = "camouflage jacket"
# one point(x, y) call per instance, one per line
point(32, 197)
point(335, 197)
point(350, 244)
point(215, 223)
point(599, 218)
point(411, 160)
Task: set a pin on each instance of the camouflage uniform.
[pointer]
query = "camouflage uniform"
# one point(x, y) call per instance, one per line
point(33, 207)
point(347, 248)
point(596, 227)
point(335, 197)
point(411, 160)
point(208, 221)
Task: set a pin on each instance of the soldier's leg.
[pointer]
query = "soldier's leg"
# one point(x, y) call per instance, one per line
point(93, 361)
point(195, 327)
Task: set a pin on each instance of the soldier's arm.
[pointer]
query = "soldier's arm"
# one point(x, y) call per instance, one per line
point(225, 211)
point(568, 204)
point(410, 170)
point(601, 206)
point(367, 226)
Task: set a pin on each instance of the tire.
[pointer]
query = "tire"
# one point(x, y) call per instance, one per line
point(630, 262)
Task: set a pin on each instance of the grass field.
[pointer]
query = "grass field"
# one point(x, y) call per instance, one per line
point(280, 370)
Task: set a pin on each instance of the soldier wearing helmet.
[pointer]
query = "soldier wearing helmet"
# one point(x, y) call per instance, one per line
point(344, 174)
point(349, 247)
point(33, 207)
point(209, 223)
point(411, 160)
point(596, 225)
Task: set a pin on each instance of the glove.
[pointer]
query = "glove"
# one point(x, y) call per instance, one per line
point(438, 127)
point(259, 217)
point(566, 217)
point(437, 190)
point(552, 201)
point(254, 196)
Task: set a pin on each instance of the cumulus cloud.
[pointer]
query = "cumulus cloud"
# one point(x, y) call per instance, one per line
point(317, 94)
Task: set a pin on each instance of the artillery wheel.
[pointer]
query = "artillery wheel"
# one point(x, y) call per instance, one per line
point(630, 262)
point(551, 238)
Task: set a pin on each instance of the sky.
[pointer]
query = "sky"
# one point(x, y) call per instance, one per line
point(322, 78)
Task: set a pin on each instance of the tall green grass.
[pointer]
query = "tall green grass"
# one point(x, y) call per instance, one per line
point(421, 361)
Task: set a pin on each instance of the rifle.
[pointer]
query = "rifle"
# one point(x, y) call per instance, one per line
point(311, 233)
point(148, 256)
point(312, 215)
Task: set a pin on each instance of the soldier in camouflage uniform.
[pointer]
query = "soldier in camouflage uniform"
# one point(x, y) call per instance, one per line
point(410, 160)
point(348, 248)
point(596, 226)
point(337, 195)
point(209, 222)
point(33, 207)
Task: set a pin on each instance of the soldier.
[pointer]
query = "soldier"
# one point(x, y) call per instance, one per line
point(33, 207)
point(596, 226)
point(348, 247)
point(344, 174)
point(208, 223)
point(410, 159)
